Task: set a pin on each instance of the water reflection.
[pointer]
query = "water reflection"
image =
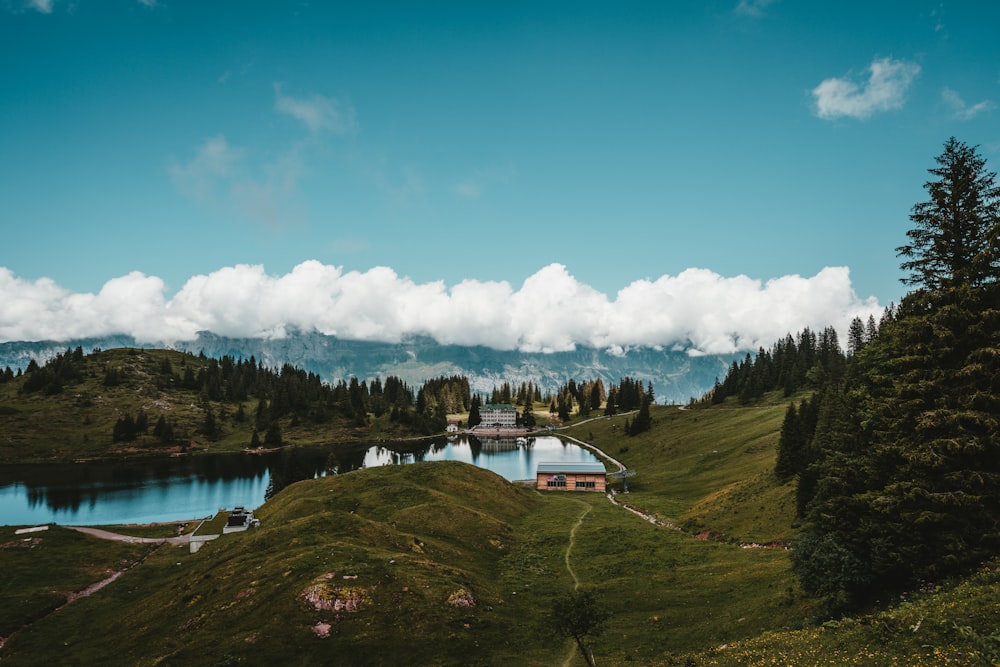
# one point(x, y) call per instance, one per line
point(128, 492)
point(150, 490)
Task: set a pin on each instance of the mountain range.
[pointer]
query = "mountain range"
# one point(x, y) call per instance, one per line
point(675, 375)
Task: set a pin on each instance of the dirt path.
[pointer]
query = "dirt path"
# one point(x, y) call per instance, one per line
point(576, 581)
point(96, 586)
point(600, 452)
point(647, 517)
point(107, 535)
point(572, 539)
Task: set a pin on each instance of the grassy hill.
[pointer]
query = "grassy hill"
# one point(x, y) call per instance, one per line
point(39, 571)
point(446, 564)
point(955, 623)
point(395, 565)
point(77, 421)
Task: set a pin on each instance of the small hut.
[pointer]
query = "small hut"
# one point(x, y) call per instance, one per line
point(571, 477)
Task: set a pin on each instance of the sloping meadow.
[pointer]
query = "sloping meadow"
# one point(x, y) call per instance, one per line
point(393, 565)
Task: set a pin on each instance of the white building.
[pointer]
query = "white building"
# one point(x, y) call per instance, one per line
point(498, 415)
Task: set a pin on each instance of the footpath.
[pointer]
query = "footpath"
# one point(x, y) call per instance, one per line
point(108, 535)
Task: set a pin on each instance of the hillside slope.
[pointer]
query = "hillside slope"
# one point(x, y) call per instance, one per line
point(387, 566)
point(76, 417)
point(447, 564)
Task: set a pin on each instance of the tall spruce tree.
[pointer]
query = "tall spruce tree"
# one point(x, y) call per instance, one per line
point(954, 237)
point(475, 419)
point(905, 481)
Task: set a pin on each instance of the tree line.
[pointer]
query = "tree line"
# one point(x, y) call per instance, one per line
point(582, 397)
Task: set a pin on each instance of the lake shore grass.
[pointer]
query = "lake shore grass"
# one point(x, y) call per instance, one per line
point(214, 525)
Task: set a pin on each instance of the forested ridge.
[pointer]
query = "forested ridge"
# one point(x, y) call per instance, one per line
point(135, 399)
point(165, 398)
point(896, 452)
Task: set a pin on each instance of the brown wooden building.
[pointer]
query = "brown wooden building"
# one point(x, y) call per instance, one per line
point(571, 477)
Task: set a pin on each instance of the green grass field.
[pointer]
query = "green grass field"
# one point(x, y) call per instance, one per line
point(446, 564)
point(39, 571)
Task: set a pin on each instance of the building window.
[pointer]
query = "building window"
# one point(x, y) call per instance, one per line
point(586, 485)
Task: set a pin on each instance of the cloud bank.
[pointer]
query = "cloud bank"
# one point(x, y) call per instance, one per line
point(697, 310)
point(885, 90)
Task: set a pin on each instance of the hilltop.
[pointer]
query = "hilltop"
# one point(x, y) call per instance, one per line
point(133, 402)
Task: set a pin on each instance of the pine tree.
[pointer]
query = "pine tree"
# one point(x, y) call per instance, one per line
point(643, 422)
point(142, 423)
point(272, 438)
point(903, 480)
point(954, 238)
point(790, 445)
point(610, 406)
point(474, 417)
point(209, 427)
point(528, 417)
point(855, 336)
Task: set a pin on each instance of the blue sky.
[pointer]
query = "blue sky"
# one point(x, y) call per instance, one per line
point(186, 152)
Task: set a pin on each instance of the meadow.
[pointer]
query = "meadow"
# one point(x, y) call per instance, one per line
point(447, 564)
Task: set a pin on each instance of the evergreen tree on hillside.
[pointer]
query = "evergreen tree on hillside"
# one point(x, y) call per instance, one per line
point(528, 417)
point(904, 483)
point(209, 426)
point(790, 445)
point(642, 422)
point(954, 237)
point(272, 438)
point(565, 405)
point(855, 336)
point(475, 419)
point(610, 407)
point(124, 429)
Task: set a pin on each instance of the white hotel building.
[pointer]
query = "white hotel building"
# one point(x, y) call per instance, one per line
point(498, 415)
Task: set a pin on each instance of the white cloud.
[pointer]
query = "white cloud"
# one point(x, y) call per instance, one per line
point(43, 6)
point(959, 109)
point(697, 310)
point(133, 303)
point(753, 7)
point(264, 189)
point(220, 175)
point(317, 113)
point(885, 90)
point(214, 161)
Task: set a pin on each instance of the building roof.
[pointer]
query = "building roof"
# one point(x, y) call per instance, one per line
point(498, 406)
point(596, 468)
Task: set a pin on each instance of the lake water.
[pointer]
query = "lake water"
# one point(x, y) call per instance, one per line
point(153, 490)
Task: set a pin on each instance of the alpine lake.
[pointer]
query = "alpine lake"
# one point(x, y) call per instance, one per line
point(159, 490)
